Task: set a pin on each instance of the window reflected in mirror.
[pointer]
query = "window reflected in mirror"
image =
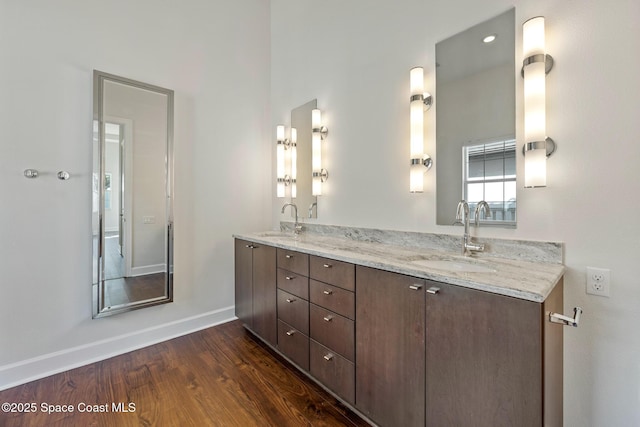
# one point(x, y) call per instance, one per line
point(490, 175)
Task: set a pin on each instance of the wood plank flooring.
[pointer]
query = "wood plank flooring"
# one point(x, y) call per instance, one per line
point(220, 376)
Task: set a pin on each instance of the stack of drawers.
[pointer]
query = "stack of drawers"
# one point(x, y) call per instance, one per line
point(293, 306)
point(332, 325)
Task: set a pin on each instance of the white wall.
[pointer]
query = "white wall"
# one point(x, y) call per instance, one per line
point(215, 56)
point(357, 56)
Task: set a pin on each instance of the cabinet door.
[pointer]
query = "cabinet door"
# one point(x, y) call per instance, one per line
point(390, 347)
point(264, 293)
point(244, 281)
point(484, 364)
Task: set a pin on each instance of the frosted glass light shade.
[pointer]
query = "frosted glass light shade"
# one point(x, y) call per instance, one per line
point(316, 163)
point(294, 162)
point(416, 120)
point(533, 40)
point(535, 168)
point(280, 161)
point(535, 161)
point(534, 102)
point(416, 178)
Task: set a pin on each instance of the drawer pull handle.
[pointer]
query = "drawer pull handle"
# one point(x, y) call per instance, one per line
point(290, 333)
point(290, 300)
point(415, 287)
point(289, 277)
point(327, 265)
point(327, 292)
point(433, 290)
point(328, 318)
point(288, 256)
point(328, 357)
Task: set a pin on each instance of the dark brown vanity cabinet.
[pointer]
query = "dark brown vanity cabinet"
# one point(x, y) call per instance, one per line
point(332, 325)
point(293, 306)
point(441, 355)
point(405, 351)
point(492, 360)
point(390, 347)
point(255, 283)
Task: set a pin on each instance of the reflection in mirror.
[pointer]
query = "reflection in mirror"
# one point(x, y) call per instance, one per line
point(490, 175)
point(132, 194)
point(475, 121)
point(304, 199)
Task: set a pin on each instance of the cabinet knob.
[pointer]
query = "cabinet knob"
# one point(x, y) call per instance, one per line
point(327, 292)
point(415, 287)
point(290, 300)
point(328, 357)
point(289, 277)
point(288, 256)
point(433, 290)
point(328, 318)
point(250, 246)
point(327, 265)
point(290, 333)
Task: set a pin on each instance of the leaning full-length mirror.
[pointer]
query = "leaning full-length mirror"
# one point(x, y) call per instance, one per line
point(132, 195)
point(475, 121)
point(304, 198)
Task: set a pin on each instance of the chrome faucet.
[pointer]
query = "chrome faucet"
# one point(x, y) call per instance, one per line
point(482, 206)
point(297, 228)
point(469, 247)
point(313, 205)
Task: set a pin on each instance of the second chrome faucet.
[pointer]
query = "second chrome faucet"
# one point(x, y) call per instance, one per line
point(297, 228)
point(469, 247)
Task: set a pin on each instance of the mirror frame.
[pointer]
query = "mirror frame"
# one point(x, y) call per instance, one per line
point(98, 285)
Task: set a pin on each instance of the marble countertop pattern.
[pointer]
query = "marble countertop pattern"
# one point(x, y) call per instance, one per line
point(523, 279)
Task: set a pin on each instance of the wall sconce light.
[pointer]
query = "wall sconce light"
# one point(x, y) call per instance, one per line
point(535, 66)
point(420, 102)
point(318, 133)
point(294, 163)
point(282, 144)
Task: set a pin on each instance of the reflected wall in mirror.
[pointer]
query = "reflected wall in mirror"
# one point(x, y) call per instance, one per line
point(132, 195)
point(304, 200)
point(475, 121)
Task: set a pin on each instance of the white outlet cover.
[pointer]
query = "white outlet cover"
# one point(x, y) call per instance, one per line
point(598, 281)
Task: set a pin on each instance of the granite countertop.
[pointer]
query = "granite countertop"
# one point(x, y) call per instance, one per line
point(523, 279)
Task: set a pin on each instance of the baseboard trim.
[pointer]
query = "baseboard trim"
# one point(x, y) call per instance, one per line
point(22, 372)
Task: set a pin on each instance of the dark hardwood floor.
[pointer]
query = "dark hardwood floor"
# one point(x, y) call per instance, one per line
point(220, 376)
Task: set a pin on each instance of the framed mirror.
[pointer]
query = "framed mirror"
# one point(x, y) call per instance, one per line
point(302, 195)
point(475, 121)
point(132, 194)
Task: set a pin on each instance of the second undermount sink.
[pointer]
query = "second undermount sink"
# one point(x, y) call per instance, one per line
point(457, 266)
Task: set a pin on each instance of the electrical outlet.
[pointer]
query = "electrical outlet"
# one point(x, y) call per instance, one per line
point(148, 219)
point(598, 281)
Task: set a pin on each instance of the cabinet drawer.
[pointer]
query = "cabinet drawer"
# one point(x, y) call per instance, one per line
point(293, 310)
point(332, 330)
point(293, 261)
point(337, 273)
point(333, 298)
point(293, 344)
point(293, 283)
point(333, 370)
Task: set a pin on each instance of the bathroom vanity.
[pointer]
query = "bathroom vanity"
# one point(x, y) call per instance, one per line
point(410, 335)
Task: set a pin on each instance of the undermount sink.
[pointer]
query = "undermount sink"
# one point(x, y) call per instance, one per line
point(457, 266)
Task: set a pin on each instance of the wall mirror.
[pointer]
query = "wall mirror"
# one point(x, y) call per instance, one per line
point(302, 195)
point(132, 195)
point(475, 121)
